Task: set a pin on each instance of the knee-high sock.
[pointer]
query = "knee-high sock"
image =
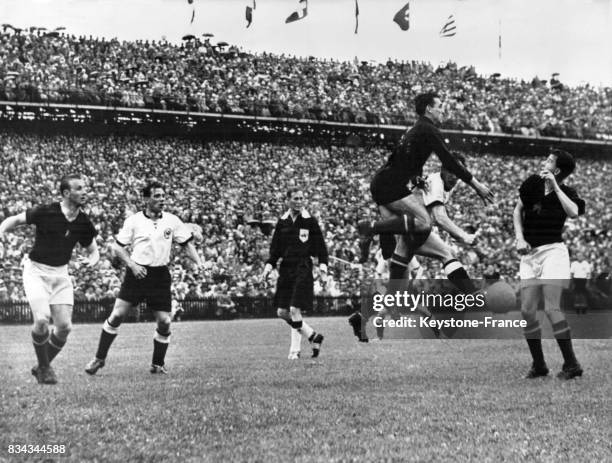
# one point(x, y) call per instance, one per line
point(160, 347)
point(457, 275)
point(108, 335)
point(54, 346)
point(397, 225)
point(296, 340)
point(561, 330)
point(301, 326)
point(40, 347)
point(533, 335)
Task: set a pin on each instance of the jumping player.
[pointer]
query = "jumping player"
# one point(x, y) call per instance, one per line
point(47, 284)
point(539, 216)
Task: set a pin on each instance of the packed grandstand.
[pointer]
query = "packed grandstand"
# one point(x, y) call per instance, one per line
point(199, 76)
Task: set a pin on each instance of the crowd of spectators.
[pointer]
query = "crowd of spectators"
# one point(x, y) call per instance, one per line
point(202, 77)
point(235, 191)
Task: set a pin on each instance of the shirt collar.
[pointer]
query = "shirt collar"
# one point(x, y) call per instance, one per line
point(144, 212)
point(427, 119)
point(304, 213)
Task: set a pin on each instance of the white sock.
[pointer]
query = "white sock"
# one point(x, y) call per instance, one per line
point(306, 330)
point(296, 340)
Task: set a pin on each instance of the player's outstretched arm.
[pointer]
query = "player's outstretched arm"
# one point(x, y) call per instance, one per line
point(10, 223)
point(441, 218)
point(522, 246)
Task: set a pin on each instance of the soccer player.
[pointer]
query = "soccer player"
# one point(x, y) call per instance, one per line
point(297, 236)
point(539, 216)
point(150, 233)
point(47, 284)
point(437, 191)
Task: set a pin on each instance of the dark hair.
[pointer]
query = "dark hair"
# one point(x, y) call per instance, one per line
point(153, 185)
point(423, 100)
point(291, 191)
point(65, 182)
point(565, 163)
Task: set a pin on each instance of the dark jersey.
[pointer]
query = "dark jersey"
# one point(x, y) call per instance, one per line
point(56, 237)
point(296, 241)
point(543, 215)
point(416, 145)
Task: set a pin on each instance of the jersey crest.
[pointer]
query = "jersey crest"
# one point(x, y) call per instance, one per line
point(303, 235)
point(168, 233)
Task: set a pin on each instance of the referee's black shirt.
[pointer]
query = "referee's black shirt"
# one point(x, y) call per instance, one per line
point(416, 145)
point(296, 241)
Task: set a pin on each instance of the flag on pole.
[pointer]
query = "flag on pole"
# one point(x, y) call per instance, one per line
point(449, 29)
point(192, 11)
point(301, 13)
point(356, 16)
point(402, 17)
point(248, 14)
point(499, 46)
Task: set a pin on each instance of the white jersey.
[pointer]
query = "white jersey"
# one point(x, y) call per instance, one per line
point(151, 239)
point(435, 192)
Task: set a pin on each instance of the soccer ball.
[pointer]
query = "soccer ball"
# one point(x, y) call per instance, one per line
point(500, 297)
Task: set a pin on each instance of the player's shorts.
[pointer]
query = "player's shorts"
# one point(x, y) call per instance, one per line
point(154, 289)
point(385, 188)
point(549, 262)
point(46, 285)
point(294, 288)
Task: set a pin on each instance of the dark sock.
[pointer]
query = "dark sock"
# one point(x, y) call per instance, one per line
point(457, 275)
point(109, 333)
point(380, 331)
point(40, 347)
point(387, 245)
point(160, 348)
point(397, 225)
point(54, 346)
point(561, 331)
point(397, 267)
point(533, 334)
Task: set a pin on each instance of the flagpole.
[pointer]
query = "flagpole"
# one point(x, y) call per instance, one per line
point(499, 41)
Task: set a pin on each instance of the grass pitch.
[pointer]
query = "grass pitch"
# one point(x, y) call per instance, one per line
point(232, 395)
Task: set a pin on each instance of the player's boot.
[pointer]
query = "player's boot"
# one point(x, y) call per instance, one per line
point(356, 321)
point(364, 228)
point(571, 371)
point(537, 371)
point(158, 369)
point(34, 371)
point(93, 366)
point(46, 375)
point(316, 345)
point(294, 355)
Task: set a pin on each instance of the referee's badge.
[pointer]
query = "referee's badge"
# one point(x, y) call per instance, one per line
point(168, 233)
point(303, 235)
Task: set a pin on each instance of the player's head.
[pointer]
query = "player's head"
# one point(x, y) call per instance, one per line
point(154, 196)
point(428, 104)
point(73, 190)
point(295, 198)
point(560, 163)
point(450, 179)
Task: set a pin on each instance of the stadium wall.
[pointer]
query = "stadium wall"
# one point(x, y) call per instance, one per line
point(97, 120)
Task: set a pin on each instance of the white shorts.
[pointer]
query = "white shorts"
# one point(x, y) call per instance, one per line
point(47, 285)
point(546, 262)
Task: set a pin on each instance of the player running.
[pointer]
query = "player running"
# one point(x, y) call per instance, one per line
point(47, 284)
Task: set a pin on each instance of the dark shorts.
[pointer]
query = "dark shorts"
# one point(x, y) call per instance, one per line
point(154, 289)
point(386, 188)
point(294, 288)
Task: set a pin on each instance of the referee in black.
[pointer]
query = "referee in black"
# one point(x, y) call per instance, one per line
point(297, 236)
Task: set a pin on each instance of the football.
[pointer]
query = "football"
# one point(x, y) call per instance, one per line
point(500, 298)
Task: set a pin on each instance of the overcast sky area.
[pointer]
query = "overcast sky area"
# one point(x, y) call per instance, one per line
point(539, 37)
